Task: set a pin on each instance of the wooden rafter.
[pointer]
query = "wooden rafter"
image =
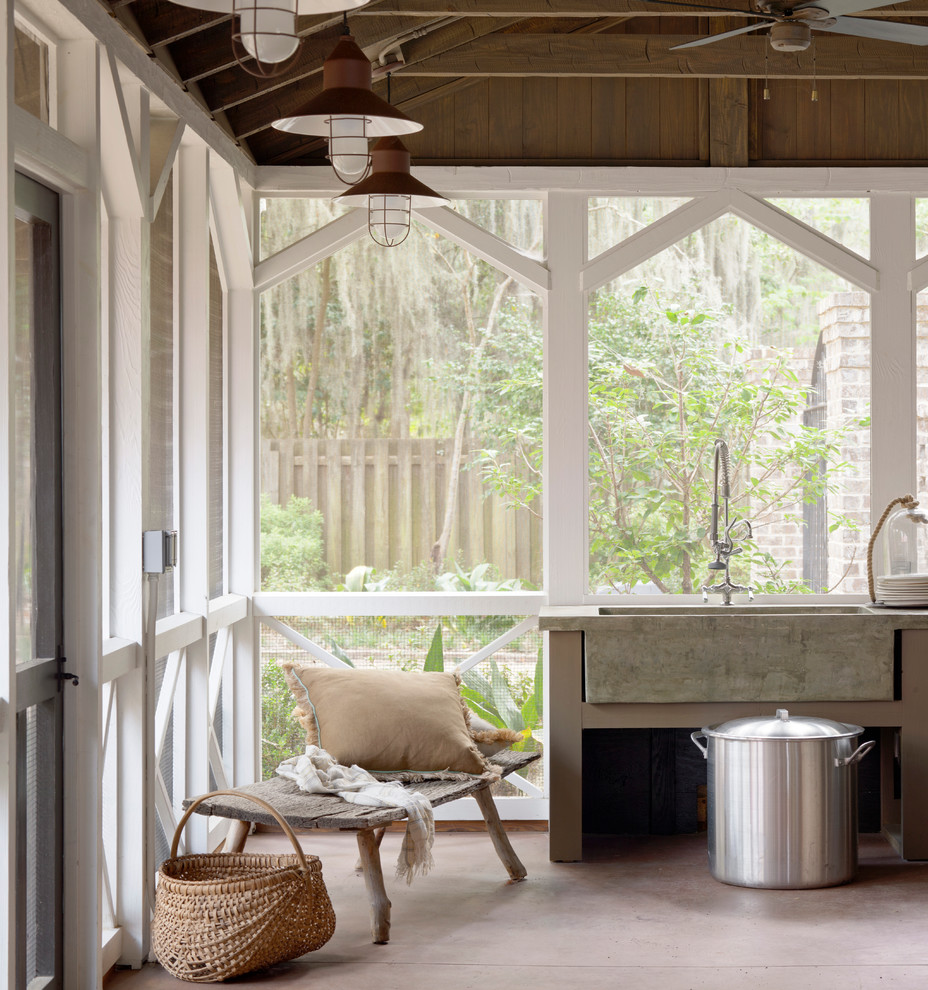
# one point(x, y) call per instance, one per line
point(438, 50)
point(650, 55)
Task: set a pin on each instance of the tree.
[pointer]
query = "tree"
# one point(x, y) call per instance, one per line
point(664, 383)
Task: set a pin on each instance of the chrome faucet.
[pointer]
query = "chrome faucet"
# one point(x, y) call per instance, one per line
point(724, 536)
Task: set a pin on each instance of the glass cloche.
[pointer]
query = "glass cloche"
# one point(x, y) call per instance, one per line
point(905, 541)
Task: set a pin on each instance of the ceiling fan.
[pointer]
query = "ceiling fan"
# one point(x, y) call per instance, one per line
point(791, 23)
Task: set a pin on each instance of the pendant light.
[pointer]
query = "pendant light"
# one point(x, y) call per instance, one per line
point(348, 112)
point(390, 193)
point(265, 30)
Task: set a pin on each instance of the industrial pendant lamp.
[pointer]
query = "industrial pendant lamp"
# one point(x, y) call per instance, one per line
point(265, 30)
point(390, 193)
point(348, 112)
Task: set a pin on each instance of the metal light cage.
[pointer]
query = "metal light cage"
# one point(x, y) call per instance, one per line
point(347, 92)
point(390, 193)
point(388, 219)
point(264, 39)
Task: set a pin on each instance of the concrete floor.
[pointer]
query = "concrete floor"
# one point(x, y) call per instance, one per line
point(638, 913)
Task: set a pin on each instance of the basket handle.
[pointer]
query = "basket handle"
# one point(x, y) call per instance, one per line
point(282, 822)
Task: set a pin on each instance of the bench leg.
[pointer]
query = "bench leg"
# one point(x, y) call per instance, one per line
point(379, 833)
point(369, 848)
point(501, 842)
point(236, 836)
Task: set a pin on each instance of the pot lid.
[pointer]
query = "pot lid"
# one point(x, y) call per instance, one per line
point(783, 726)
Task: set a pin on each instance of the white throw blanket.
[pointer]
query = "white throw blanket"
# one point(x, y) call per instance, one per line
point(317, 773)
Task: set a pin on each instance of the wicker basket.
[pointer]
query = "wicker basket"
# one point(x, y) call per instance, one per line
point(225, 914)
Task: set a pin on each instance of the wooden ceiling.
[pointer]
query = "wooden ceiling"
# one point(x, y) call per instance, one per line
point(570, 81)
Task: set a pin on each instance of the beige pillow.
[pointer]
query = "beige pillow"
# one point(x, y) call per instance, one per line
point(386, 720)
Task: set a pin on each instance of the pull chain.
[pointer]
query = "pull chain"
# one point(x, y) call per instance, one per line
point(814, 85)
point(766, 77)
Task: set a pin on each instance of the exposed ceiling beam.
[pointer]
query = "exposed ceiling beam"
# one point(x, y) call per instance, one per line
point(231, 86)
point(409, 94)
point(649, 55)
point(597, 8)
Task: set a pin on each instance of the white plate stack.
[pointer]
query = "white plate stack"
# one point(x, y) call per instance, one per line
point(903, 590)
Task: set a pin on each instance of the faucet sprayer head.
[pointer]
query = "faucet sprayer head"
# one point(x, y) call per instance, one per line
point(721, 456)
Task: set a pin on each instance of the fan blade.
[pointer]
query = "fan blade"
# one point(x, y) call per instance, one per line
point(861, 27)
point(838, 7)
point(724, 34)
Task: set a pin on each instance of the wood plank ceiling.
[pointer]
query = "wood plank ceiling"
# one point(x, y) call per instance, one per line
point(571, 82)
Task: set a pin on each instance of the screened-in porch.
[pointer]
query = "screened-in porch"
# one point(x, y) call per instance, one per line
point(346, 455)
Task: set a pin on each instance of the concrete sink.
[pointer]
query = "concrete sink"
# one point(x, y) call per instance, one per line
point(774, 653)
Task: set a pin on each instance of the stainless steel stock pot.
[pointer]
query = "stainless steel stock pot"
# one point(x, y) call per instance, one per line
point(782, 800)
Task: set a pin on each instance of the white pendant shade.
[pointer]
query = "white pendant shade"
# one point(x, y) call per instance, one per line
point(388, 218)
point(348, 148)
point(304, 7)
point(267, 29)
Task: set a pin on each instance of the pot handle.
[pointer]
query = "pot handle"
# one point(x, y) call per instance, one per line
point(856, 756)
point(696, 736)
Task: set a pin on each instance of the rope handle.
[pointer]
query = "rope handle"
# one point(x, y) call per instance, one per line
point(910, 502)
point(282, 822)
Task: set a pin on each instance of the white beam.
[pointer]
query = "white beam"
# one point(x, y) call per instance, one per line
point(192, 245)
point(82, 498)
point(242, 489)
point(310, 250)
point(8, 858)
point(526, 625)
point(272, 603)
point(229, 217)
point(115, 38)
point(566, 458)
point(653, 239)
point(124, 191)
point(48, 155)
point(918, 277)
point(492, 249)
point(298, 639)
point(166, 135)
point(805, 239)
point(503, 182)
point(893, 468)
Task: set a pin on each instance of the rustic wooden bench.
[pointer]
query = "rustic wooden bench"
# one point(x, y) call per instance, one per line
point(309, 811)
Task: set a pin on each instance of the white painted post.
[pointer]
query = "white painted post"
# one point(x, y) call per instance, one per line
point(565, 401)
point(565, 464)
point(243, 550)
point(232, 202)
point(192, 252)
point(7, 667)
point(128, 342)
point(79, 76)
point(892, 335)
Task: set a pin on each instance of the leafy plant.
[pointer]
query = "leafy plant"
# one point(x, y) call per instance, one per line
point(282, 736)
point(292, 550)
point(475, 580)
point(361, 578)
point(503, 700)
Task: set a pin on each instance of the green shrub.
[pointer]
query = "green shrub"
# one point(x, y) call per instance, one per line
point(292, 548)
point(282, 736)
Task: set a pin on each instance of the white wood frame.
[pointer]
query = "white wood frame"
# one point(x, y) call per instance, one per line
point(7, 671)
point(118, 97)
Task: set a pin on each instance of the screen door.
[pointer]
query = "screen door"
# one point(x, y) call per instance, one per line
point(36, 583)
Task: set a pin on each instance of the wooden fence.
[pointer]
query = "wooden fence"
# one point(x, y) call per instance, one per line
point(383, 502)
